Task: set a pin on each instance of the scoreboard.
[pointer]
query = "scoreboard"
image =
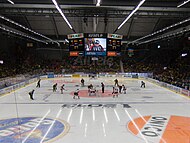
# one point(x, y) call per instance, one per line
point(95, 44)
point(76, 44)
point(114, 44)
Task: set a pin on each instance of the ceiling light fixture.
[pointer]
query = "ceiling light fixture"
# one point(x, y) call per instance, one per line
point(165, 36)
point(98, 3)
point(185, 2)
point(11, 1)
point(25, 28)
point(136, 8)
point(21, 34)
point(62, 14)
point(164, 29)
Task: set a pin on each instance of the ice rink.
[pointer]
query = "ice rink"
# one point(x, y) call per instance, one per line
point(142, 115)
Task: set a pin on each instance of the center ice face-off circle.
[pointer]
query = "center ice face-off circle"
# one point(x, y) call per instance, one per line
point(84, 93)
point(161, 128)
point(31, 129)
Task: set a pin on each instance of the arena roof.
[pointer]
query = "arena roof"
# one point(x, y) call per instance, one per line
point(85, 17)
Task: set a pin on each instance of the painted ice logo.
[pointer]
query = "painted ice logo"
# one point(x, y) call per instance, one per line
point(31, 129)
point(162, 128)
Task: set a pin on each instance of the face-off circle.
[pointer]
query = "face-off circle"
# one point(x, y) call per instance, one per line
point(85, 93)
point(161, 128)
point(31, 129)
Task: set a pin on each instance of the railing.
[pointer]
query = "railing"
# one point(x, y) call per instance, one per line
point(170, 87)
point(16, 86)
point(18, 82)
point(9, 81)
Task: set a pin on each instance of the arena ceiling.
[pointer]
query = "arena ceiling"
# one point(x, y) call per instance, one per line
point(85, 17)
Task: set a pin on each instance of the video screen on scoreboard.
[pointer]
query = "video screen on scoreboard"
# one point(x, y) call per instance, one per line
point(95, 46)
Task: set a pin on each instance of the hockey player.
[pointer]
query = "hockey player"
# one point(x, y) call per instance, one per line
point(115, 92)
point(124, 89)
point(82, 82)
point(76, 94)
point(120, 88)
point(90, 87)
point(102, 84)
point(142, 84)
point(54, 87)
point(116, 82)
point(38, 83)
point(31, 93)
point(92, 92)
point(62, 88)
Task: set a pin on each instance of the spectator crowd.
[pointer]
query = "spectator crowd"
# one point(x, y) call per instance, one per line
point(165, 67)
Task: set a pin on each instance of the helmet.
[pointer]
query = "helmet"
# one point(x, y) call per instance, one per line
point(97, 42)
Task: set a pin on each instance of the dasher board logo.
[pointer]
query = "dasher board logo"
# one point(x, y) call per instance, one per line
point(161, 128)
point(31, 130)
